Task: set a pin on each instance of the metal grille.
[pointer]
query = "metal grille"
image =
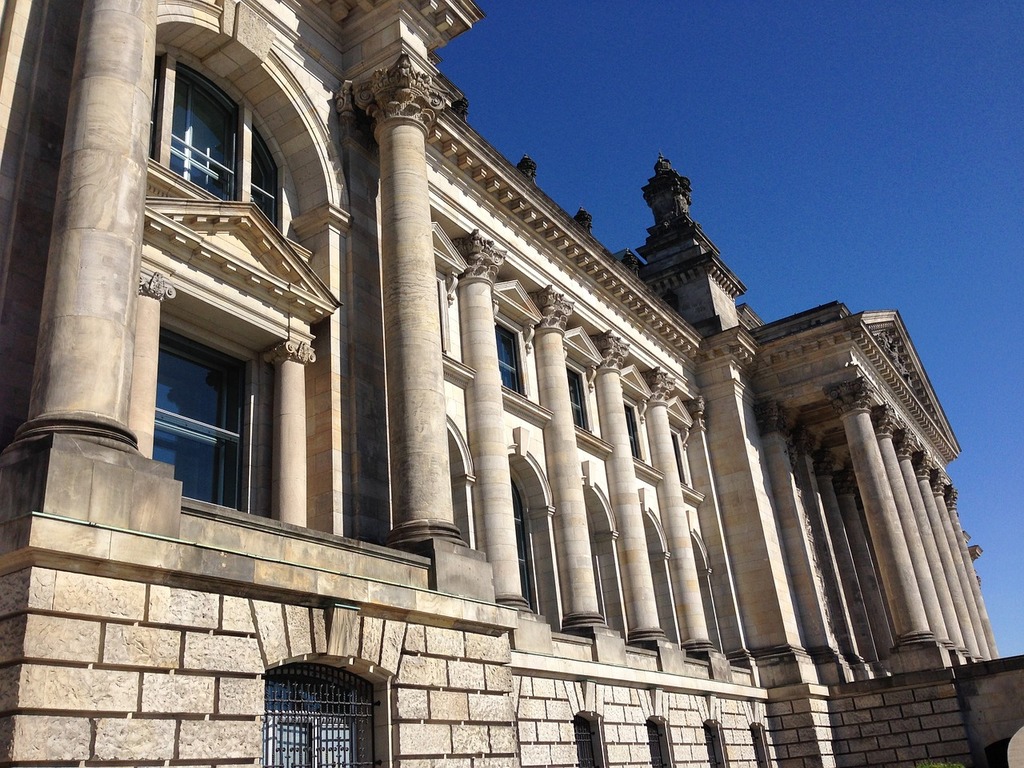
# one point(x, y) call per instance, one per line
point(714, 748)
point(317, 717)
point(584, 742)
point(654, 740)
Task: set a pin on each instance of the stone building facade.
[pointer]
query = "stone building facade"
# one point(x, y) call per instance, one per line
point(329, 439)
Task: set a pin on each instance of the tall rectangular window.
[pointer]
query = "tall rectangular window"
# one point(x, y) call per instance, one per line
point(577, 399)
point(508, 358)
point(199, 419)
point(634, 433)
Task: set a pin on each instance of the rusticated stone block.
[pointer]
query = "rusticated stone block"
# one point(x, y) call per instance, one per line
point(415, 639)
point(237, 615)
point(498, 678)
point(422, 670)
point(300, 638)
point(28, 588)
point(183, 607)
point(449, 705)
point(487, 648)
point(320, 631)
point(45, 687)
point(44, 738)
point(503, 738)
point(391, 645)
point(470, 739)
point(492, 708)
point(270, 626)
point(369, 646)
point(177, 693)
point(424, 739)
point(466, 674)
point(223, 653)
point(52, 637)
point(445, 642)
point(220, 740)
point(412, 704)
point(535, 754)
point(134, 739)
point(141, 646)
point(240, 696)
point(99, 596)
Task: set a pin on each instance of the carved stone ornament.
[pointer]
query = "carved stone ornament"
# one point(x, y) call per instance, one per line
point(695, 408)
point(906, 445)
point(923, 466)
point(482, 256)
point(771, 417)
point(662, 384)
point(554, 307)
point(804, 441)
point(401, 92)
point(939, 480)
point(951, 496)
point(528, 167)
point(460, 108)
point(885, 420)
point(894, 349)
point(852, 395)
point(667, 193)
point(156, 286)
point(631, 262)
point(584, 219)
point(824, 463)
point(291, 351)
point(613, 349)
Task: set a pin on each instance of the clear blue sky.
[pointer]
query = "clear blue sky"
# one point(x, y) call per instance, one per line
point(871, 153)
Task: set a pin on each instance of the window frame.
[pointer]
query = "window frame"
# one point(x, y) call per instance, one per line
point(657, 737)
point(524, 552)
point(586, 733)
point(715, 741)
point(515, 367)
point(578, 398)
point(187, 84)
point(633, 430)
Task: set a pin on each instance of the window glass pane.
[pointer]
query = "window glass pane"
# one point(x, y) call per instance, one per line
point(508, 358)
point(203, 134)
point(577, 399)
point(631, 428)
point(522, 545)
point(264, 178)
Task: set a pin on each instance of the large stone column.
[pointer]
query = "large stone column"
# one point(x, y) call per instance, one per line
point(853, 401)
point(641, 609)
point(153, 290)
point(682, 565)
point(958, 547)
point(923, 473)
point(824, 467)
point(288, 498)
point(986, 624)
point(845, 485)
point(403, 103)
point(885, 425)
point(82, 378)
point(580, 609)
point(906, 446)
point(485, 415)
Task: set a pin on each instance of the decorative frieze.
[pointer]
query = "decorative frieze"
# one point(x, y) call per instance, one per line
point(554, 307)
point(482, 256)
point(402, 92)
point(156, 286)
point(291, 351)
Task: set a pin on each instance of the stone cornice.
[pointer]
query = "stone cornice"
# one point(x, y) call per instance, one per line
point(514, 198)
point(735, 344)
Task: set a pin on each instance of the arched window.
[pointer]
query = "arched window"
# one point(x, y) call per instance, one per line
point(523, 546)
point(264, 178)
point(317, 717)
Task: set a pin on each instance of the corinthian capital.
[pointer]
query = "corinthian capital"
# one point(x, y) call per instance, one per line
point(402, 91)
point(771, 417)
point(613, 349)
point(885, 420)
point(907, 445)
point(482, 256)
point(554, 307)
point(923, 466)
point(695, 408)
point(156, 286)
point(290, 351)
point(852, 395)
point(951, 496)
point(662, 384)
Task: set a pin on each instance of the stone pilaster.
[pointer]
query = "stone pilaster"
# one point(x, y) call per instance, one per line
point(403, 103)
point(674, 518)
point(986, 625)
point(580, 610)
point(958, 549)
point(864, 646)
point(288, 498)
point(845, 485)
point(906, 446)
point(153, 290)
point(853, 401)
point(885, 425)
point(485, 416)
point(923, 472)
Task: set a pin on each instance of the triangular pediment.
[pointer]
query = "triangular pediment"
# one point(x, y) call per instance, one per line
point(633, 384)
point(514, 302)
point(446, 255)
point(236, 243)
point(580, 348)
point(678, 414)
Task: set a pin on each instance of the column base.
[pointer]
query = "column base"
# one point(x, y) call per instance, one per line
point(832, 667)
point(784, 665)
point(411, 534)
point(455, 569)
point(646, 637)
point(98, 429)
point(582, 623)
point(516, 602)
point(918, 657)
point(71, 473)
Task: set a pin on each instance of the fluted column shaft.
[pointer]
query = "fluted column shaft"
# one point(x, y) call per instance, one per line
point(403, 102)
point(485, 417)
point(904, 454)
point(288, 498)
point(682, 565)
point(853, 401)
point(153, 289)
point(572, 534)
point(82, 377)
point(860, 548)
point(946, 549)
point(986, 624)
point(958, 548)
point(884, 427)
